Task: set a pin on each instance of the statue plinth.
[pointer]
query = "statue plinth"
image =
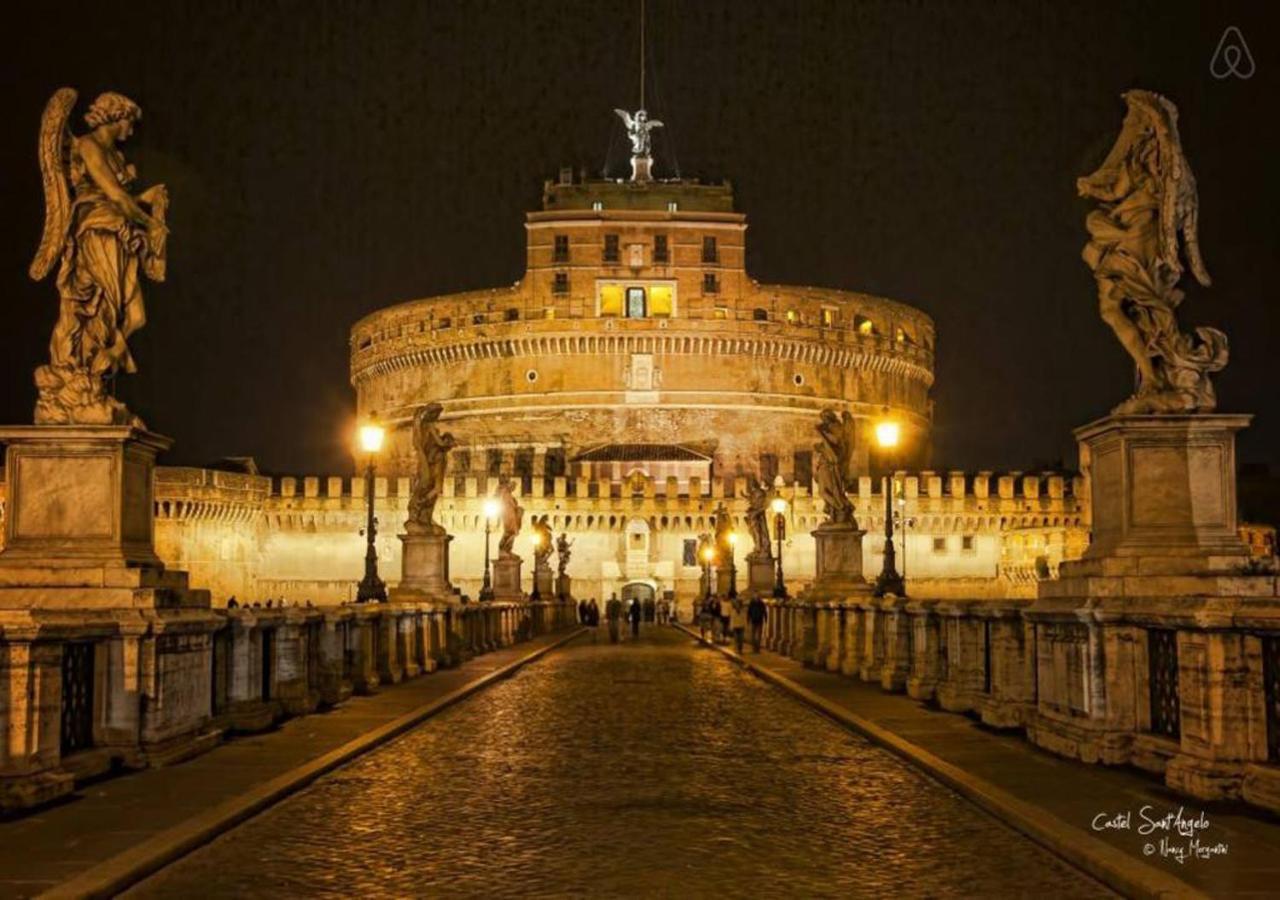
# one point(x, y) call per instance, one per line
point(80, 496)
point(564, 586)
point(838, 563)
point(425, 563)
point(1163, 489)
point(506, 578)
point(641, 167)
point(762, 574)
point(544, 582)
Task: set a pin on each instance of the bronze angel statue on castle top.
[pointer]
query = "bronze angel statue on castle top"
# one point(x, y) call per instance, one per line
point(1147, 207)
point(103, 240)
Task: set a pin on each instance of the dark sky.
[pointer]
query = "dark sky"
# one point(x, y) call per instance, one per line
point(325, 159)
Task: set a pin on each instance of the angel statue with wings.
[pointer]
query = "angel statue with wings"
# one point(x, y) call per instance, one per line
point(563, 553)
point(432, 448)
point(638, 128)
point(512, 514)
point(103, 239)
point(835, 461)
point(1147, 207)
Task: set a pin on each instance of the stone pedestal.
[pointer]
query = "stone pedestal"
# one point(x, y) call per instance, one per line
point(641, 168)
point(91, 624)
point(425, 566)
point(761, 576)
point(837, 578)
point(506, 578)
point(564, 587)
point(544, 582)
point(1140, 649)
point(79, 497)
point(1163, 492)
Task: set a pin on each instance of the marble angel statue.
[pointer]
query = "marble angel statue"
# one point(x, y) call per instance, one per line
point(638, 128)
point(757, 518)
point(563, 545)
point(103, 240)
point(1144, 227)
point(432, 449)
point(834, 454)
point(512, 514)
point(544, 539)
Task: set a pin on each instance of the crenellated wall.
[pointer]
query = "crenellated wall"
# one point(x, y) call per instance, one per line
point(254, 537)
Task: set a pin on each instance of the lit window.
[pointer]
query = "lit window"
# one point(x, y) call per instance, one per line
point(863, 325)
point(828, 317)
point(611, 300)
point(900, 336)
point(660, 300)
point(549, 312)
point(722, 312)
point(635, 303)
point(792, 317)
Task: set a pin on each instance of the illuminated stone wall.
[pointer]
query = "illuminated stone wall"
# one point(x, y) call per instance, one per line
point(253, 537)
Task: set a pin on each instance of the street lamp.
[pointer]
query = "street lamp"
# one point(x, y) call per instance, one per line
point(889, 581)
point(535, 596)
point(733, 565)
point(707, 556)
point(490, 513)
point(779, 530)
point(371, 586)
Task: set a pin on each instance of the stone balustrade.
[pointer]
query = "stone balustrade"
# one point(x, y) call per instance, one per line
point(1188, 690)
point(83, 695)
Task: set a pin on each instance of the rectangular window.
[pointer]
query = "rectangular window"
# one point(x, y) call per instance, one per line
point(444, 323)
point(803, 465)
point(462, 460)
point(611, 300)
point(710, 284)
point(710, 252)
point(495, 462)
point(561, 248)
point(939, 545)
point(793, 317)
point(549, 312)
point(523, 468)
point(660, 300)
point(967, 543)
point(660, 248)
point(635, 303)
point(722, 312)
point(611, 248)
point(561, 284)
point(863, 325)
point(512, 314)
point(477, 319)
point(690, 551)
point(828, 317)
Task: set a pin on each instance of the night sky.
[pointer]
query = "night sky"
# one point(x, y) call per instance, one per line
point(326, 159)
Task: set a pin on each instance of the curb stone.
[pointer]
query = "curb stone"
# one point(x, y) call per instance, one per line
point(1114, 868)
point(126, 869)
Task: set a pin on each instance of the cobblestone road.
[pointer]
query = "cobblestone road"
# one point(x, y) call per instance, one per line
point(648, 769)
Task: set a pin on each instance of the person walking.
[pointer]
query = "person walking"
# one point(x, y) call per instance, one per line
point(583, 612)
point(737, 621)
point(717, 620)
point(593, 619)
point(757, 612)
point(634, 614)
point(613, 612)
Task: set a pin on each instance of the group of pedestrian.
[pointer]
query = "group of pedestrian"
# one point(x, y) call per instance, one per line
point(616, 611)
point(732, 620)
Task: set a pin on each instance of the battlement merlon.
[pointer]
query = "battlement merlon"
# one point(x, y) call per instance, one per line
point(687, 195)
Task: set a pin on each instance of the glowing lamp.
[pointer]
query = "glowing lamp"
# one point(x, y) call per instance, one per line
point(371, 436)
point(733, 538)
point(779, 505)
point(708, 555)
point(887, 433)
point(491, 509)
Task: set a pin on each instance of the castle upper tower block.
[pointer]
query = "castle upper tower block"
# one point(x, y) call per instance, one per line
point(637, 340)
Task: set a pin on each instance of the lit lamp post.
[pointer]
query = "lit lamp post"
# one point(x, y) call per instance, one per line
point(889, 581)
point(490, 513)
point(707, 556)
point(371, 586)
point(733, 564)
point(779, 531)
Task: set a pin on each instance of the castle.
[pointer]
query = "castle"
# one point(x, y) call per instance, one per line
point(629, 384)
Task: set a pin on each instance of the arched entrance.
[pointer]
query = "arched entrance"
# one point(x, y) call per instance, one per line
point(640, 590)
